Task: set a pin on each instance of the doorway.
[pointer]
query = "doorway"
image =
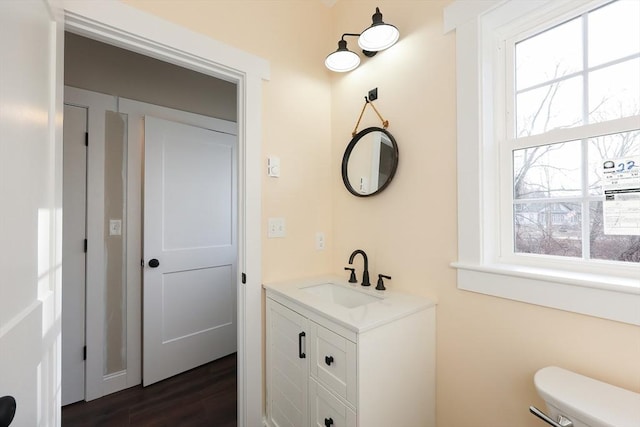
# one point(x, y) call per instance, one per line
point(115, 184)
point(124, 26)
point(208, 222)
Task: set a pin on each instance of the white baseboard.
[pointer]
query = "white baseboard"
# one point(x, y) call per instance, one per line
point(115, 382)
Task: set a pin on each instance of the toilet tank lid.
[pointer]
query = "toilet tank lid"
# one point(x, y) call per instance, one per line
point(588, 400)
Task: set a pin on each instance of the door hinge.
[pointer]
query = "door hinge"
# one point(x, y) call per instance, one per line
point(244, 278)
point(84, 353)
point(85, 246)
point(86, 139)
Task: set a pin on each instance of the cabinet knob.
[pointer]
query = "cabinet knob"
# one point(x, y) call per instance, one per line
point(328, 422)
point(328, 360)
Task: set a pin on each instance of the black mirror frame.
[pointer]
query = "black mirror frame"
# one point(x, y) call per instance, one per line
point(347, 154)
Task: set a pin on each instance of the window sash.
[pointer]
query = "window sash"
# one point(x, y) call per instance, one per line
point(521, 30)
point(593, 130)
point(505, 244)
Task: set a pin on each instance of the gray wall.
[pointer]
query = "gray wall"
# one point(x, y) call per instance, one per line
point(99, 67)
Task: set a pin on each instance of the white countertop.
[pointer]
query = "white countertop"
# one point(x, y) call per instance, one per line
point(392, 305)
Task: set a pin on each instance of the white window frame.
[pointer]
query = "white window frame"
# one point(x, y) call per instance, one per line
point(481, 30)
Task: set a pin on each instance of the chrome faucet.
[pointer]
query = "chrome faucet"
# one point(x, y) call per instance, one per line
point(365, 273)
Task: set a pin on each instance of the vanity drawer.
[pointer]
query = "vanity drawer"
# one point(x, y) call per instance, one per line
point(325, 410)
point(333, 361)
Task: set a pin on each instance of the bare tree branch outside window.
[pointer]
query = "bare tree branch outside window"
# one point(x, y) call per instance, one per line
point(558, 186)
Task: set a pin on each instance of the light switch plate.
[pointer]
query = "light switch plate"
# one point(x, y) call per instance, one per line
point(273, 166)
point(115, 227)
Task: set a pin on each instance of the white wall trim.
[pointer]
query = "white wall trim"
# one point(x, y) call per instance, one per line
point(577, 293)
point(124, 26)
point(13, 323)
point(115, 382)
point(460, 12)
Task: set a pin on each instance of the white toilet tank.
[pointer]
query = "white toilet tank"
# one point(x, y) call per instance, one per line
point(585, 401)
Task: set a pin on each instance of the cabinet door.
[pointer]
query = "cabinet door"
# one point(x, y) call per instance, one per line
point(332, 360)
point(326, 410)
point(287, 367)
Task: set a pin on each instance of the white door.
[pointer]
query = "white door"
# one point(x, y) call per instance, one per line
point(30, 200)
point(190, 248)
point(73, 253)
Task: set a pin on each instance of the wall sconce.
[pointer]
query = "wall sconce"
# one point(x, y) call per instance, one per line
point(377, 37)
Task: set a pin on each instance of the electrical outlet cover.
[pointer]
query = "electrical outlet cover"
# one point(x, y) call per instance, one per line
point(276, 228)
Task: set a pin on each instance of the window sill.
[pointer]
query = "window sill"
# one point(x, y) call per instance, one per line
point(607, 297)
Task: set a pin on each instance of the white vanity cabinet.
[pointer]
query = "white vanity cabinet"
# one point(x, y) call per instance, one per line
point(328, 368)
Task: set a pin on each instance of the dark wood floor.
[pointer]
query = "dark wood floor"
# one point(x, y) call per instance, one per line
point(204, 396)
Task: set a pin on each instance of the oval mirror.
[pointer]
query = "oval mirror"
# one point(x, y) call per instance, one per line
point(369, 162)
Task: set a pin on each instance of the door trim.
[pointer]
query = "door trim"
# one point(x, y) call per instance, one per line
point(74, 228)
point(96, 105)
point(124, 26)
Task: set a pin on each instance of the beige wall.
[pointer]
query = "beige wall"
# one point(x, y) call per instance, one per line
point(488, 348)
point(292, 36)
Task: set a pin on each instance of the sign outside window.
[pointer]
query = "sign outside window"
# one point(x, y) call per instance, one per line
point(621, 187)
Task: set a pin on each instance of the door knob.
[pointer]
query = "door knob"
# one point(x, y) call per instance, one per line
point(7, 410)
point(153, 263)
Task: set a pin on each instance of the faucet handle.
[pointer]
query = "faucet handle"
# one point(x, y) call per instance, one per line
point(352, 277)
point(380, 285)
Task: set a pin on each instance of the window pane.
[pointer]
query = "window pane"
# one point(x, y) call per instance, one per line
point(547, 171)
point(548, 229)
point(614, 92)
point(553, 106)
point(610, 247)
point(614, 31)
point(609, 147)
point(549, 55)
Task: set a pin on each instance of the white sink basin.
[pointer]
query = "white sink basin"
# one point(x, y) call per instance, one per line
point(341, 295)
